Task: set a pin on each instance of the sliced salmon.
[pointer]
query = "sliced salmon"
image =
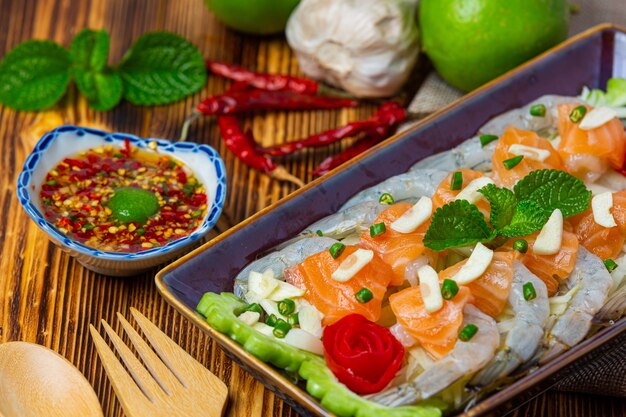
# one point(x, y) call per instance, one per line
point(551, 269)
point(444, 194)
point(437, 332)
point(603, 242)
point(588, 153)
point(491, 289)
point(508, 177)
point(337, 299)
point(395, 248)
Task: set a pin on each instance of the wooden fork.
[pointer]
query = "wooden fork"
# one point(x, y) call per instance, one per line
point(173, 385)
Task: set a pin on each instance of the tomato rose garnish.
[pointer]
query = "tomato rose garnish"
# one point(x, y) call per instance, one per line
point(363, 355)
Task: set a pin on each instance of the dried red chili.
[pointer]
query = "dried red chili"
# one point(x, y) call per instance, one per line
point(242, 145)
point(270, 82)
point(243, 101)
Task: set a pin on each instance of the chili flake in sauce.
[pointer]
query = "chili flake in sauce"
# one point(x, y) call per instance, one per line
point(159, 199)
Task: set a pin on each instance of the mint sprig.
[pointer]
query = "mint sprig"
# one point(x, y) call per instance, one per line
point(513, 213)
point(160, 68)
point(34, 75)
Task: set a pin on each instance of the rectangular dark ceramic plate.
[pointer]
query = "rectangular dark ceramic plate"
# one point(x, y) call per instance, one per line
point(588, 59)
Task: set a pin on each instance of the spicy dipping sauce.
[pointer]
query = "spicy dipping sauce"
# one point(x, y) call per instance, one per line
point(123, 200)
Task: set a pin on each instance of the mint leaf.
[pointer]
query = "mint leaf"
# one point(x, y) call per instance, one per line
point(103, 89)
point(161, 68)
point(528, 217)
point(90, 49)
point(552, 189)
point(456, 224)
point(502, 202)
point(34, 75)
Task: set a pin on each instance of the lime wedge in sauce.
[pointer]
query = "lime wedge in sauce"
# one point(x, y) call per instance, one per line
point(132, 204)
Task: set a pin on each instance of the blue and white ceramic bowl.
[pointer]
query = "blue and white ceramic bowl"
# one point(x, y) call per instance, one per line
point(65, 141)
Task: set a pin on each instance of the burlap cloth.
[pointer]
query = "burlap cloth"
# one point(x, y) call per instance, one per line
point(604, 371)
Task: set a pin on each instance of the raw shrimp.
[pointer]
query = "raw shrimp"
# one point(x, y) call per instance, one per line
point(593, 283)
point(280, 260)
point(522, 119)
point(469, 154)
point(354, 219)
point(526, 328)
point(464, 359)
point(411, 185)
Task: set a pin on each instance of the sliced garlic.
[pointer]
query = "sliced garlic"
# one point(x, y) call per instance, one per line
point(271, 307)
point(310, 320)
point(476, 265)
point(429, 287)
point(352, 265)
point(285, 290)
point(264, 329)
point(597, 117)
point(601, 206)
point(302, 339)
point(262, 284)
point(413, 217)
point(470, 192)
point(597, 188)
point(530, 152)
point(549, 240)
point(249, 317)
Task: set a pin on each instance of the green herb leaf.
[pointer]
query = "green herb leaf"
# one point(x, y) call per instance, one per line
point(34, 75)
point(552, 189)
point(103, 90)
point(457, 224)
point(161, 68)
point(502, 202)
point(90, 49)
point(528, 217)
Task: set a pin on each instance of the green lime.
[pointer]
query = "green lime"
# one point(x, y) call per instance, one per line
point(258, 17)
point(473, 41)
point(132, 204)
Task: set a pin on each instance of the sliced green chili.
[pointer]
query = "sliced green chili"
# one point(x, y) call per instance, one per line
point(293, 319)
point(449, 289)
point(281, 328)
point(271, 320)
point(286, 307)
point(386, 198)
point(520, 245)
point(538, 110)
point(578, 113)
point(487, 139)
point(377, 229)
point(529, 291)
point(336, 250)
point(468, 332)
point(457, 181)
point(610, 264)
point(364, 295)
point(512, 162)
point(319, 233)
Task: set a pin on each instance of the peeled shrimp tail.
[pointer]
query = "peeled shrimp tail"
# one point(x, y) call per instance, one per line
point(594, 282)
point(526, 335)
point(464, 359)
point(281, 260)
point(614, 308)
point(411, 185)
point(469, 154)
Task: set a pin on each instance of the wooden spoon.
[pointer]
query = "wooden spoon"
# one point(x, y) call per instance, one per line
point(36, 381)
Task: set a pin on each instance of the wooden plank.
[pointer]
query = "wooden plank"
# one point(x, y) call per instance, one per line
point(50, 299)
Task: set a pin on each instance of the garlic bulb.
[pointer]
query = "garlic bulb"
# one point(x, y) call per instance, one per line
point(366, 47)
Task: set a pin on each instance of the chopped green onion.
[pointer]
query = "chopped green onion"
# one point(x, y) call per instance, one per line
point(271, 320)
point(88, 226)
point(286, 307)
point(47, 201)
point(538, 110)
point(386, 198)
point(487, 139)
point(449, 289)
point(529, 291)
point(52, 182)
point(512, 162)
point(281, 328)
point(140, 232)
point(377, 229)
point(577, 114)
point(610, 264)
point(468, 332)
point(520, 245)
point(457, 181)
point(319, 233)
point(293, 319)
point(336, 250)
point(364, 295)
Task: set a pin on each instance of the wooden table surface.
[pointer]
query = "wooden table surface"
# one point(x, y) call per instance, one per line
point(50, 299)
